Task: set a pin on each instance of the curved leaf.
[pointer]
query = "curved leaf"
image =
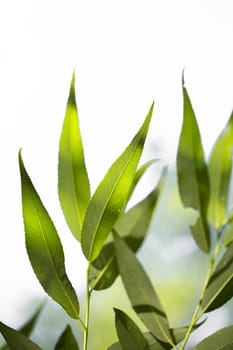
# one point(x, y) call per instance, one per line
point(193, 180)
point(44, 247)
point(220, 340)
point(133, 226)
point(140, 291)
point(17, 340)
point(228, 234)
point(73, 183)
point(67, 340)
point(220, 287)
point(130, 336)
point(220, 165)
point(112, 194)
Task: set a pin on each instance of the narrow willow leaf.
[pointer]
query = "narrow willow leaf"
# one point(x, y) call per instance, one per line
point(28, 327)
point(67, 340)
point(220, 165)
point(130, 336)
point(133, 226)
point(140, 291)
point(44, 248)
point(73, 183)
point(17, 340)
point(228, 234)
point(220, 287)
point(220, 340)
point(112, 194)
point(193, 180)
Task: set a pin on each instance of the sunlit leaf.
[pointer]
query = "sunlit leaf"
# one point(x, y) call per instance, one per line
point(220, 287)
point(140, 291)
point(67, 340)
point(133, 226)
point(130, 336)
point(17, 340)
point(193, 180)
point(73, 183)
point(220, 165)
point(44, 247)
point(220, 340)
point(112, 194)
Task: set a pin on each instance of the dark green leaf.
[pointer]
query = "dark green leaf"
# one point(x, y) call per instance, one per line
point(133, 226)
point(112, 194)
point(140, 291)
point(73, 183)
point(220, 287)
point(67, 340)
point(220, 340)
point(28, 327)
point(193, 180)
point(17, 340)
point(220, 165)
point(44, 248)
point(130, 336)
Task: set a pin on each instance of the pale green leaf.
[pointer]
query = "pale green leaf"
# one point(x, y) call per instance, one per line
point(133, 226)
point(140, 291)
point(73, 183)
point(44, 247)
point(220, 340)
point(220, 287)
point(17, 340)
point(111, 196)
point(67, 340)
point(130, 336)
point(193, 180)
point(220, 165)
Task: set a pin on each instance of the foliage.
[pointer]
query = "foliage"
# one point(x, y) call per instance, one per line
point(110, 236)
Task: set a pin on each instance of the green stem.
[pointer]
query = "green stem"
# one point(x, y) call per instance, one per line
point(196, 315)
point(88, 300)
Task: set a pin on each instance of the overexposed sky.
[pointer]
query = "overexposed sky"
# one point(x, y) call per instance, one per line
point(125, 54)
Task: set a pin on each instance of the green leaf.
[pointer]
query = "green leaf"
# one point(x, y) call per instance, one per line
point(73, 183)
point(17, 340)
point(228, 234)
point(130, 336)
point(140, 291)
point(28, 327)
point(67, 340)
point(220, 340)
point(220, 287)
point(111, 196)
point(44, 247)
point(193, 180)
point(133, 226)
point(220, 165)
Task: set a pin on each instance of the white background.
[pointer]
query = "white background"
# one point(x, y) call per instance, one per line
point(126, 54)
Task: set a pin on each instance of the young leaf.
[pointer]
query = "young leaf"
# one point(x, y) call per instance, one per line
point(73, 183)
point(140, 291)
point(67, 341)
point(112, 194)
point(133, 226)
point(228, 234)
point(220, 287)
point(44, 247)
point(220, 340)
point(193, 180)
point(17, 340)
point(220, 165)
point(130, 336)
